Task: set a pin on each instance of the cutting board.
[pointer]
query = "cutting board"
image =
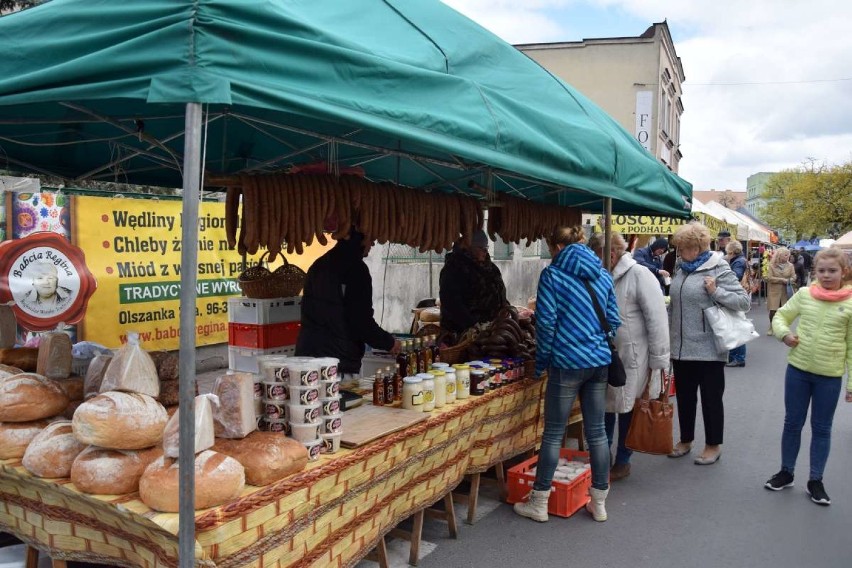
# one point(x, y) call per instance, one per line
point(366, 423)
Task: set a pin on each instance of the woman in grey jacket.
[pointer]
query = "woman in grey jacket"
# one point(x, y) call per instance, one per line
point(702, 279)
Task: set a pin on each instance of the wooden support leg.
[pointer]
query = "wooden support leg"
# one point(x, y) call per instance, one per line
point(382, 553)
point(451, 515)
point(473, 498)
point(59, 564)
point(32, 557)
point(501, 481)
point(416, 534)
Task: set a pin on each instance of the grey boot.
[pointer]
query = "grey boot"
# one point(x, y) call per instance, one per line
point(536, 506)
point(596, 505)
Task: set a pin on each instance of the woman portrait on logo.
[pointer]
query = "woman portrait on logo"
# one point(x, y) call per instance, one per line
point(46, 296)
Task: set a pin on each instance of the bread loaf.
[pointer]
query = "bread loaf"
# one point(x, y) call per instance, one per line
point(169, 393)
point(95, 375)
point(52, 451)
point(132, 370)
point(218, 479)
point(54, 355)
point(8, 371)
point(68, 413)
point(16, 436)
point(235, 417)
point(8, 327)
point(266, 456)
point(73, 387)
point(24, 358)
point(28, 397)
point(120, 421)
point(111, 472)
point(168, 369)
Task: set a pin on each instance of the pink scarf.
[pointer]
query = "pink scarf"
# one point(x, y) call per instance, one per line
point(820, 293)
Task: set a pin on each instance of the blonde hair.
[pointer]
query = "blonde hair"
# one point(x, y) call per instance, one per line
point(779, 252)
point(567, 236)
point(693, 234)
point(734, 247)
point(617, 242)
point(836, 254)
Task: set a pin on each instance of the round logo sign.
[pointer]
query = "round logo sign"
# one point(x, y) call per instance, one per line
point(47, 279)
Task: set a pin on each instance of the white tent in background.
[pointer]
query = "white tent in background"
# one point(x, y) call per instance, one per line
point(844, 242)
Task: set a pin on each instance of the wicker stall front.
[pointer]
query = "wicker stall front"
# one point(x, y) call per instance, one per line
point(330, 514)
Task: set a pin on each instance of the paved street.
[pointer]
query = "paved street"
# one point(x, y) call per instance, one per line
point(674, 513)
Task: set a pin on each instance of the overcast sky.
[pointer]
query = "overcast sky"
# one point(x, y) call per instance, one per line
point(790, 60)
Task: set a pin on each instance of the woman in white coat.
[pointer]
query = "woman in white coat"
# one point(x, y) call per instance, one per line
point(642, 341)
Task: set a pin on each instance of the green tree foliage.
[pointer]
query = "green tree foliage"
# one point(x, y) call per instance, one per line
point(811, 199)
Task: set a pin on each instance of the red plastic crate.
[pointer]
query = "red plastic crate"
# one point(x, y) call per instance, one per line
point(567, 499)
point(263, 336)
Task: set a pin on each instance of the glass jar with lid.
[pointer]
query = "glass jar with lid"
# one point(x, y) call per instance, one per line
point(440, 378)
point(462, 381)
point(451, 385)
point(428, 391)
point(412, 393)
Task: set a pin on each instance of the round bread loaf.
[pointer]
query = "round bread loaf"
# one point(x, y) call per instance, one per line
point(28, 396)
point(52, 451)
point(120, 421)
point(218, 479)
point(16, 436)
point(266, 456)
point(111, 472)
point(8, 371)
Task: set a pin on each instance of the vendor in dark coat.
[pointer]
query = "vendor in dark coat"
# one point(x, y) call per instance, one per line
point(337, 307)
point(651, 258)
point(472, 289)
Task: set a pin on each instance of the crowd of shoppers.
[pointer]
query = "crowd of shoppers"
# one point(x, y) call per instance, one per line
point(649, 337)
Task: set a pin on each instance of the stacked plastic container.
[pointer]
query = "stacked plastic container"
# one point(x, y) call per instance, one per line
point(301, 397)
point(258, 328)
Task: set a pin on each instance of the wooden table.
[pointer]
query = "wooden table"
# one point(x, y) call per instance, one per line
point(330, 514)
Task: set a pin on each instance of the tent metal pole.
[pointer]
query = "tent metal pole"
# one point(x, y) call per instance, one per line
point(188, 279)
point(607, 232)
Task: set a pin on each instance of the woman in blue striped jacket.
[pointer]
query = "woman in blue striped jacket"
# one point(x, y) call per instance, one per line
point(572, 348)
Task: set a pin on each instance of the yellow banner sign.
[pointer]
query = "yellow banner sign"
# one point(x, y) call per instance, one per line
point(645, 224)
point(133, 248)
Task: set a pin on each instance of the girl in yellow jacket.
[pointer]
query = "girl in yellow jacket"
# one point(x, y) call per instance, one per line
point(821, 351)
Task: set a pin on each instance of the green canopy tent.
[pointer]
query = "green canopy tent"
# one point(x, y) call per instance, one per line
point(158, 91)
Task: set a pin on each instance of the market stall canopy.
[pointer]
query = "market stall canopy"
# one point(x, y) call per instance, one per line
point(844, 242)
point(410, 91)
point(716, 223)
point(746, 229)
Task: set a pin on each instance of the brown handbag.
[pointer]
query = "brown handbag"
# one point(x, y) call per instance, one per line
point(650, 429)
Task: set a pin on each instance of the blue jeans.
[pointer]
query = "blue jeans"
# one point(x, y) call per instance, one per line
point(563, 386)
point(803, 389)
point(737, 354)
point(622, 453)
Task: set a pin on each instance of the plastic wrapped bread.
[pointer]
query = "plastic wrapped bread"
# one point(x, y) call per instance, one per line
point(53, 451)
point(236, 415)
point(132, 370)
point(204, 409)
point(16, 436)
point(100, 471)
point(30, 396)
point(218, 479)
point(120, 421)
point(73, 387)
point(95, 375)
point(8, 326)
point(54, 355)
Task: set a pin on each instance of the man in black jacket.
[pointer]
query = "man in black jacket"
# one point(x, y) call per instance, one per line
point(472, 289)
point(337, 307)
